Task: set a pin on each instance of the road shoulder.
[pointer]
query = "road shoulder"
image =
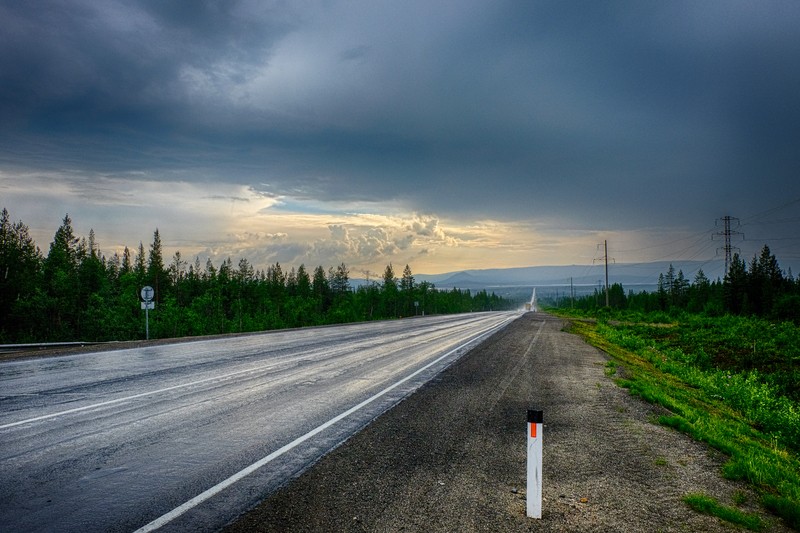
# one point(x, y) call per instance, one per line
point(452, 456)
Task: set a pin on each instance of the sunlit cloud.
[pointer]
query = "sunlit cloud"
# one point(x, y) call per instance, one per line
point(221, 221)
point(448, 136)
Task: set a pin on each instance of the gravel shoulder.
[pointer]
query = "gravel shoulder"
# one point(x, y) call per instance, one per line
point(452, 456)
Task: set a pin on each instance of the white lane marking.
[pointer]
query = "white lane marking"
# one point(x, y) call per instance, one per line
point(133, 397)
point(219, 487)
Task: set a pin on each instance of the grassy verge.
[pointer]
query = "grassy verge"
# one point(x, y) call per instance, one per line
point(708, 505)
point(755, 456)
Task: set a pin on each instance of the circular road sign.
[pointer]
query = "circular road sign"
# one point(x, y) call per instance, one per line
point(147, 293)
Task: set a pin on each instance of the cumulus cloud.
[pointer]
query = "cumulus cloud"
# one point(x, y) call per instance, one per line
point(428, 226)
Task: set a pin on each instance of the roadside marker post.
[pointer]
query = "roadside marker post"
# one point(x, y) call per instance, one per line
point(534, 491)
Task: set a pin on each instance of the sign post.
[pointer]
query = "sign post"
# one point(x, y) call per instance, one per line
point(147, 294)
point(534, 491)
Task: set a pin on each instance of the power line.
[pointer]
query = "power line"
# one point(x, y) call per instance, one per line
point(701, 235)
point(770, 211)
point(605, 257)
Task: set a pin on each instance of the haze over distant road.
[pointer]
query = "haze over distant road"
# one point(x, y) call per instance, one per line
point(118, 440)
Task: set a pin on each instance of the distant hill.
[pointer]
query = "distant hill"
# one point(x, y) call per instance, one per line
point(628, 274)
point(555, 281)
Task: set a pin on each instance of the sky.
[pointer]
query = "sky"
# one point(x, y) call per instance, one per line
point(446, 135)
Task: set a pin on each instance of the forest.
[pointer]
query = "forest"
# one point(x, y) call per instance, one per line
point(722, 358)
point(760, 289)
point(75, 293)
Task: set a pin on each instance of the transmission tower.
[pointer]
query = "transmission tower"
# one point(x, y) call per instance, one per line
point(727, 233)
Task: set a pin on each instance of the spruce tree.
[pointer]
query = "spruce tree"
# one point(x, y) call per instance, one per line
point(157, 275)
point(20, 265)
point(61, 283)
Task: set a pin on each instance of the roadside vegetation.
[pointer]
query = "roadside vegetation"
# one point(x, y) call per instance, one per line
point(74, 293)
point(727, 372)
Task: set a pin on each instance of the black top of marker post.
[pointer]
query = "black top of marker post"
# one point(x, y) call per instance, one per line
point(535, 417)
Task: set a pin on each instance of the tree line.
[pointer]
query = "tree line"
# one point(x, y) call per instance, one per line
point(76, 293)
point(759, 288)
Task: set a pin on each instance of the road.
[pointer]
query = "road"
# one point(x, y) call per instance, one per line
point(452, 457)
point(187, 436)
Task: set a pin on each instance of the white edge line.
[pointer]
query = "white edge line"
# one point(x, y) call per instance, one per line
point(219, 487)
point(127, 398)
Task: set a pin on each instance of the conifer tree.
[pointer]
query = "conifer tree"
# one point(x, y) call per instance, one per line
point(389, 295)
point(140, 269)
point(407, 291)
point(303, 282)
point(339, 280)
point(156, 273)
point(20, 263)
point(321, 290)
point(735, 287)
point(126, 266)
point(61, 283)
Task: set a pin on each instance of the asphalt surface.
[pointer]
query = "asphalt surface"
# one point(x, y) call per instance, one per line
point(113, 441)
point(452, 457)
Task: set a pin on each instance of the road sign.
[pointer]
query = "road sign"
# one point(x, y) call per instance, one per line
point(147, 293)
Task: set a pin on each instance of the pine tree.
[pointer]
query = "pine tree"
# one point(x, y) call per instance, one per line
point(20, 265)
point(177, 268)
point(407, 281)
point(139, 269)
point(303, 282)
point(407, 291)
point(389, 280)
point(699, 292)
point(389, 293)
point(157, 275)
point(680, 289)
point(766, 281)
point(126, 265)
point(321, 290)
point(339, 280)
point(61, 283)
point(735, 287)
point(663, 293)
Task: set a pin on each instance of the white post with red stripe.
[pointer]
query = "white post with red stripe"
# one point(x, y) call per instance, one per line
point(534, 492)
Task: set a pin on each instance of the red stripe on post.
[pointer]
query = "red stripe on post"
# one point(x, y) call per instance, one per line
point(533, 431)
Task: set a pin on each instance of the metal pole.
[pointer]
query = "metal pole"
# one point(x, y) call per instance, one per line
point(147, 320)
point(571, 294)
point(605, 243)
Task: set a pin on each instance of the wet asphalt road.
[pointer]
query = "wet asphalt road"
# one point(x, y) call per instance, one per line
point(187, 436)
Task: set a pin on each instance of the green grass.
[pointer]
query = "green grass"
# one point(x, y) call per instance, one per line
point(756, 455)
point(708, 505)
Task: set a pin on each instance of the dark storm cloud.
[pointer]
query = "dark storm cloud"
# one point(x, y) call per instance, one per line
point(87, 67)
point(613, 114)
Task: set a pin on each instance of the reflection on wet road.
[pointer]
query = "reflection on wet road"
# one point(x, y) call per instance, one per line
point(188, 436)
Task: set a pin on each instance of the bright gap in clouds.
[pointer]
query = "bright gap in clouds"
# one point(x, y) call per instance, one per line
point(220, 220)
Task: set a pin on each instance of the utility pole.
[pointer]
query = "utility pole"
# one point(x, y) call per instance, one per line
point(726, 233)
point(605, 244)
point(605, 258)
point(571, 294)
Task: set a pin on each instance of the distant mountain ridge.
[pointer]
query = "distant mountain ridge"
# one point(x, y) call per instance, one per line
point(629, 275)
